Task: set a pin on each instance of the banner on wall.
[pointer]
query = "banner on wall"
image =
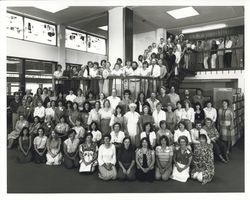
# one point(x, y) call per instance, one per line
point(14, 26)
point(96, 45)
point(41, 32)
point(75, 40)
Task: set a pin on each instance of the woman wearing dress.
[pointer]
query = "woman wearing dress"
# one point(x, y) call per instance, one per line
point(117, 135)
point(164, 131)
point(84, 114)
point(80, 131)
point(124, 103)
point(94, 115)
point(126, 161)
point(170, 118)
point(118, 117)
point(182, 161)
point(218, 146)
point(73, 115)
point(188, 115)
point(107, 160)
point(70, 149)
point(210, 112)
point(203, 161)
point(40, 147)
point(145, 117)
point(199, 114)
point(181, 131)
point(88, 152)
point(149, 134)
point(131, 123)
point(20, 124)
point(54, 156)
point(69, 109)
point(226, 126)
point(62, 128)
point(105, 117)
point(97, 135)
point(164, 157)
point(24, 148)
point(145, 160)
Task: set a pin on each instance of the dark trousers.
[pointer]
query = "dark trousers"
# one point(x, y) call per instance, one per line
point(219, 148)
point(69, 164)
point(149, 176)
point(227, 59)
point(39, 159)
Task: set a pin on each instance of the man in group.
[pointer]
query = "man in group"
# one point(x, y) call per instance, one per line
point(114, 99)
point(13, 108)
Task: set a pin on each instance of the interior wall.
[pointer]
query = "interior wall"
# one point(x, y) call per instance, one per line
point(141, 41)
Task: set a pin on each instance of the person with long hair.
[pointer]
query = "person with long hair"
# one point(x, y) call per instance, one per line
point(202, 167)
point(54, 156)
point(163, 130)
point(118, 117)
point(140, 102)
point(170, 118)
point(188, 115)
point(88, 152)
point(101, 99)
point(107, 160)
point(105, 116)
point(199, 114)
point(182, 161)
point(145, 160)
point(59, 111)
point(210, 111)
point(126, 161)
point(149, 133)
point(96, 133)
point(24, 148)
point(158, 115)
point(145, 117)
point(117, 135)
point(94, 115)
point(164, 157)
point(80, 99)
point(124, 103)
point(40, 147)
point(80, 130)
point(62, 128)
point(226, 126)
point(182, 131)
point(84, 114)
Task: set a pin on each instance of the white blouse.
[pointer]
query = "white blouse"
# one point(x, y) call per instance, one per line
point(107, 155)
point(117, 138)
point(105, 114)
point(179, 133)
point(49, 112)
point(210, 113)
point(159, 116)
point(152, 136)
point(39, 111)
point(40, 142)
point(80, 131)
point(71, 145)
point(188, 114)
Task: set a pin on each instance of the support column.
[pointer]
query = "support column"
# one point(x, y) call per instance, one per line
point(120, 34)
point(160, 33)
point(61, 57)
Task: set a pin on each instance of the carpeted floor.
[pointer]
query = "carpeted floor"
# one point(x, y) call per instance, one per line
point(33, 178)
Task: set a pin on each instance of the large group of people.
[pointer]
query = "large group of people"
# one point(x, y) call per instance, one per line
point(148, 138)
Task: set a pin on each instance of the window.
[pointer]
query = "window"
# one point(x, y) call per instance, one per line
point(96, 45)
point(14, 26)
point(75, 40)
point(41, 32)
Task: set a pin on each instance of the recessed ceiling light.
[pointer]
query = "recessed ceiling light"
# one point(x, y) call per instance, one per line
point(51, 8)
point(105, 28)
point(204, 28)
point(183, 12)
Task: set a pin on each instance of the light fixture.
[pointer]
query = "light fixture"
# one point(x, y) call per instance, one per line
point(105, 28)
point(204, 28)
point(51, 8)
point(183, 12)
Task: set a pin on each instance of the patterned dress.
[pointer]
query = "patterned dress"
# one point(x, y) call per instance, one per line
point(203, 161)
point(88, 151)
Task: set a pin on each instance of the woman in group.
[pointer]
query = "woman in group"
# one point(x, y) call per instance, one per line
point(88, 152)
point(40, 147)
point(170, 118)
point(117, 135)
point(59, 111)
point(25, 143)
point(80, 99)
point(24, 110)
point(84, 114)
point(102, 98)
point(97, 135)
point(20, 124)
point(182, 161)
point(131, 123)
point(117, 72)
point(126, 161)
point(158, 115)
point(203, 161)
point(73, 115)
point(62, 128)
point(188, 115)
point(149, 134)
point(124, 103)
point(107, 160)
point(118, 117)
point(48, 126)
point(70, 149)
point(178, 111)
point(140, 102)
point(164, 131)
point(226, 126)
point(105, 74)
point(210, 112)
point(69, 109)
point(35, 126)
point(218, 146)
point(145, 160)
point(39, 111)
point(94, 73)
point(145, 72)
point(199, 114)
point(105, 117)
point(145, 117)
point(182, 131)
point(54, 156)
point(94, 115)
point(164, 157)
point(61, 97)
point(80, 130)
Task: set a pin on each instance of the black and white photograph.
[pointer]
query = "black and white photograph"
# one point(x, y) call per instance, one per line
point(130, 98)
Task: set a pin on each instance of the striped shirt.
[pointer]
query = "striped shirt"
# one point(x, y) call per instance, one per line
point(164, 154)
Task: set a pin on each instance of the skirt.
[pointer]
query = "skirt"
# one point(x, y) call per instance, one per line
point(180, 176)
point(106, 175)
point(88, 157)
point(21, 158)
point(54, 161)
point(39, 159)
point(105, 127)
point(122, 176)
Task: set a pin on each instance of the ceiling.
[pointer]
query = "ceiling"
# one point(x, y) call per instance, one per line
point(146, 18)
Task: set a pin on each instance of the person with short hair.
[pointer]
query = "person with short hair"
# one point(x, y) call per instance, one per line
point(126, 160)
point(144, 72)
point(196, 132)
point(153, 101)
point(96, 133)
point(62, 128)
point(105, 116)
point(39, 111)
point(199, 98)
point(107, 160)
point(35, 126)
point(54, 155)
point(164, 155)
point(145, 117)
point(210, 112)
point(59, 111)
point(188, 115)
point(178, 111)
point(24, 109)
point(174, 98)
point(182, 131)
point(57, 75)
point(71, 96)
point(202, 167)
point(40, 147)
point(124, 103)
point(114, 100)
point(70, 149)
point(163, 98)
point(80, 130)
point(170, 118)
point(117, 135)
point(88, 152)
point(149, 133)
point(84, 114)
point(145, 160)
point(117, 83)
point(158, 115)
point(182, 161)
point(94, 115)
point(118, 117)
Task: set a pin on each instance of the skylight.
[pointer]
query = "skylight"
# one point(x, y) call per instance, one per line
point(183, 12)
